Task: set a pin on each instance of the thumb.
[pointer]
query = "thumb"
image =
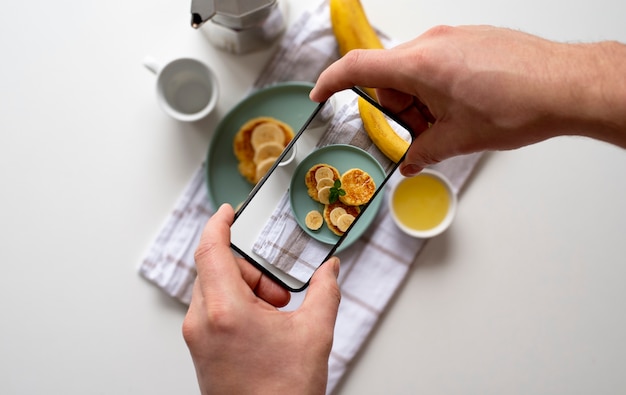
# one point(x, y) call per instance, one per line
point(321, 302)
point(430, 147)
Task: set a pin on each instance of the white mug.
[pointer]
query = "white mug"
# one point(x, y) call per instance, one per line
point(187, 88)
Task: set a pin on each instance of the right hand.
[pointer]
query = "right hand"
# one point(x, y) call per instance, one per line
point(484, 88)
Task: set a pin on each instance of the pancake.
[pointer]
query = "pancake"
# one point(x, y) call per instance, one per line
point(359, 187)
point(350, 210)
point(263, 167)
point(311, 181)
point(260, 131)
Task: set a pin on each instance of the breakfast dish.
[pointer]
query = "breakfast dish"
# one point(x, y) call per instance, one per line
point(339, 216)
point(257, 145)
point(320, 176)
point(341, 196)
point(288, 101)
point(302, 191)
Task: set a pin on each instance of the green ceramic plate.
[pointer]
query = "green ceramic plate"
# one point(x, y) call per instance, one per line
point(343, 158)
point(288, 102)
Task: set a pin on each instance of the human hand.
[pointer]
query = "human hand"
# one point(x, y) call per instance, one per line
point(239, 341)
point(486, 88)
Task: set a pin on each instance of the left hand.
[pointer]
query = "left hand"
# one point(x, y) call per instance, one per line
point(239, 341)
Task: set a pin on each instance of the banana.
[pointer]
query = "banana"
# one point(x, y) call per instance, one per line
point(323, 172)
point(336, 213)
point(323, 195)
point(262, 167)
point(325, 182)
point(344, 222)
point(266, 133)
point(381, 133)
point(351, 26)
point(267, 150)
point(353, 31)
point(314, 220)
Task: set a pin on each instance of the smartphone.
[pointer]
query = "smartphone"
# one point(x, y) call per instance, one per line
point(331, 167)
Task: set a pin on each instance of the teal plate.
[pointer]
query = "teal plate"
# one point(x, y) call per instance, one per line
point(287, 101)
point(343, 158)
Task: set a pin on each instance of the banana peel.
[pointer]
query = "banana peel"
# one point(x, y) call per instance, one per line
point(353, 30)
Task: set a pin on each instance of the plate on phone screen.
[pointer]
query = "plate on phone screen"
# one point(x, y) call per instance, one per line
point(342, 157)
point(288, 102)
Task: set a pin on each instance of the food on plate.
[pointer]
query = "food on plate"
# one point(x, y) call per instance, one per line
point(335, 213)
point(359, 187)
point(352, 30)
point(311, 180)
point(314, 220)
point(329, 209)
point(324, 172)
point(325, 182)
point(259, 141)
point(267, 150)
point(323, 195)
point(342, 195)
point(263, 166)
point(344, 222)
point(264, 133)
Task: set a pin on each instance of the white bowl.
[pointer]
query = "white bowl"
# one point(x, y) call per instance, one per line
point(420, 200)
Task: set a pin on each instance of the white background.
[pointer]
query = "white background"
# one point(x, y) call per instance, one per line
point(524, 294)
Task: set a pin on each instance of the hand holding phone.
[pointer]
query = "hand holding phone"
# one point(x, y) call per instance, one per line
point(319, 201)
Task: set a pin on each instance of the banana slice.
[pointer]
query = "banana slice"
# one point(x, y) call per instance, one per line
point(311, 182)
point(314, 220)
point(271, 149)
point(352, 210)
point(325, 182)
point(344, 222)
point(323, 172)
point(335, 214)
point(263, 167)
point(323, 195)
point(266, 133)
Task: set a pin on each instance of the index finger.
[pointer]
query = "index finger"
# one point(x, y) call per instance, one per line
point(370, 68)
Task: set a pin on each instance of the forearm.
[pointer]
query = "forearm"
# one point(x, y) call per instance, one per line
point(595, 86)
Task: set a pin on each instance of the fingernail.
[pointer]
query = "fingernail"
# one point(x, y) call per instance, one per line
point(336, 266)
point(410, 170)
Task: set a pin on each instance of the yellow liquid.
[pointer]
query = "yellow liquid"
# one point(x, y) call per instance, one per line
point(421, 202)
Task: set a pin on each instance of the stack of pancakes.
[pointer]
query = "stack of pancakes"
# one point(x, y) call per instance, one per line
point(359, 188)
point(257, 145)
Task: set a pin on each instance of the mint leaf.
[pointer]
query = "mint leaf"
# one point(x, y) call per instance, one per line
point(335, 192)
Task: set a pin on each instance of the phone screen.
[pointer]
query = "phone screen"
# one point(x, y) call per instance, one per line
point(320, 195)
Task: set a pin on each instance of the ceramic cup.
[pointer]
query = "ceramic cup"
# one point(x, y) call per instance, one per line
point(187, 88)
point(423, 206)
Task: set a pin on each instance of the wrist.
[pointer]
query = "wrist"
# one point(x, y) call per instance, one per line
point(596, 92)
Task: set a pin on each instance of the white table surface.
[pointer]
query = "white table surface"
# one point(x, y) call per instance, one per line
point(524, 294)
